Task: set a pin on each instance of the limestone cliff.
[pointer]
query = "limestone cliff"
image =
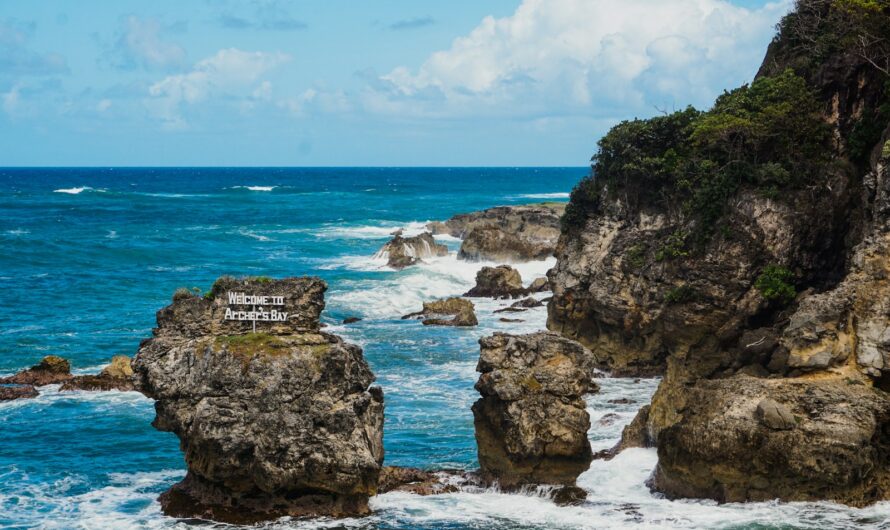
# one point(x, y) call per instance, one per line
point(281, 421)
point(744, 253)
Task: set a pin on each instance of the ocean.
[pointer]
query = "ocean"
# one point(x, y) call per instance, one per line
point(89, 256)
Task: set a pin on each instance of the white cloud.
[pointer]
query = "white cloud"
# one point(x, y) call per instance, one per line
point(140, 43)
point(12, 100)
point(231, 72)
point(602, 57)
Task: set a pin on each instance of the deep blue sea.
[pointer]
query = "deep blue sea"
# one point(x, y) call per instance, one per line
point(89, 255)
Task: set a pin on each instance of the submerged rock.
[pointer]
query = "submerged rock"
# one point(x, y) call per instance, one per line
point(403, 252)
point(419, 482)
point(531, 421)
point(50, 370)
point(462, 312)
point(10, 392)
point(502, 281)
point(279, 422)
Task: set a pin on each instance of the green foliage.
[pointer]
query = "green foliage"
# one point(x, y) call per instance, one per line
point(885, 152)
point(773, 284)
point(674, 247)
point(868, 130)
point(181, 294)
point(769, 136)
point(680, 295)
point(636, 256)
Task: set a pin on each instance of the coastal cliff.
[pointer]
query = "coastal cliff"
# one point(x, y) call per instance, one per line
point(743, 253)
point(281, 421)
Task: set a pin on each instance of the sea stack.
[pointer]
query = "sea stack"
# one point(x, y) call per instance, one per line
point(280, 421)
point(531, 421)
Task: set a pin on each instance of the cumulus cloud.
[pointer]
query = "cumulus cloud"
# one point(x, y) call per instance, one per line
point(141, 42)
point(17, 59)
point(230, 73)
point(599, 57)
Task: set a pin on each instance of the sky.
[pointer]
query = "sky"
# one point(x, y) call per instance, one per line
point(357, 83)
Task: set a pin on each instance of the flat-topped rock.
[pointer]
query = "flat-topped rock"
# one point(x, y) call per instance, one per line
point(283, 421)
point(433, 313)
point(50, 370)
point(505, 233)
point(502, 281)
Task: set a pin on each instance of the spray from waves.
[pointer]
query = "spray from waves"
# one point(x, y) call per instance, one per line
point(558, 195)
point(127, 502)
point(399, 293)
point(381, 231)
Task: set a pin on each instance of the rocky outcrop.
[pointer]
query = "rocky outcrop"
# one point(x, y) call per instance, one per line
point(539, 285)
point(531, 421)
point(493, 243)
point(747, 439)
point(118, 375)
point(505, 233)
point(461, 311)
point(403, 252)
point(281, 421)
point(502, 281)
point(51, 370)
point(11, 392)
point(420, 482)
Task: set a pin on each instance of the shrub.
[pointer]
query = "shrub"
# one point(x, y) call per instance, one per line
point(674, 247)
point(773, 284)
point(181, 294)
point(680, 295)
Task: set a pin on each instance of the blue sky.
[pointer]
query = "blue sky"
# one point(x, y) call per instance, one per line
point(347, 83)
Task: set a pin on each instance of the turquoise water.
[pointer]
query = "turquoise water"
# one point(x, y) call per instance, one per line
point(89, 255)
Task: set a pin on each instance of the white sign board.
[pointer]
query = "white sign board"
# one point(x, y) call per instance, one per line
point(263, 308)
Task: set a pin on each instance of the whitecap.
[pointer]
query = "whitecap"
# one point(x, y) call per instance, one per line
point(254, 235)
point(381, 231)
point(254, 188)
point(73, 191)
point(557, 195)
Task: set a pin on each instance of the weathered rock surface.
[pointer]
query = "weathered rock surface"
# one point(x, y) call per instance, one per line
point(505, 233)
point(403, 252)
point(746, 439)
point(462, 312)
point(11, 391)
point(761, 398)
point(279, 422)
point(419, 482)
point(50, 370)
point(539, 285)
point(531, 422)
point(502, 281)
point(118, 375)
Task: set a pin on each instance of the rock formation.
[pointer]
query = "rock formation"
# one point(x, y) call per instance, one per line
point(55, 370)
point(50, 370)
point(502, 281)
point(10, 392)
point(505, 233)
point(420, 482)
point(531, 421)
point(281, 421)
point(462, 312)
point(763, 298)
point(403, 252)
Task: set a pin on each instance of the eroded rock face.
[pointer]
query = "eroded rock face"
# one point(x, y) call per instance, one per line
point(279, 422)
point(505, 233)
point(462, 312)
point(403, 252)
point(118, 375)
point(531, 422)
point(502, 281)
point(746, 439)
